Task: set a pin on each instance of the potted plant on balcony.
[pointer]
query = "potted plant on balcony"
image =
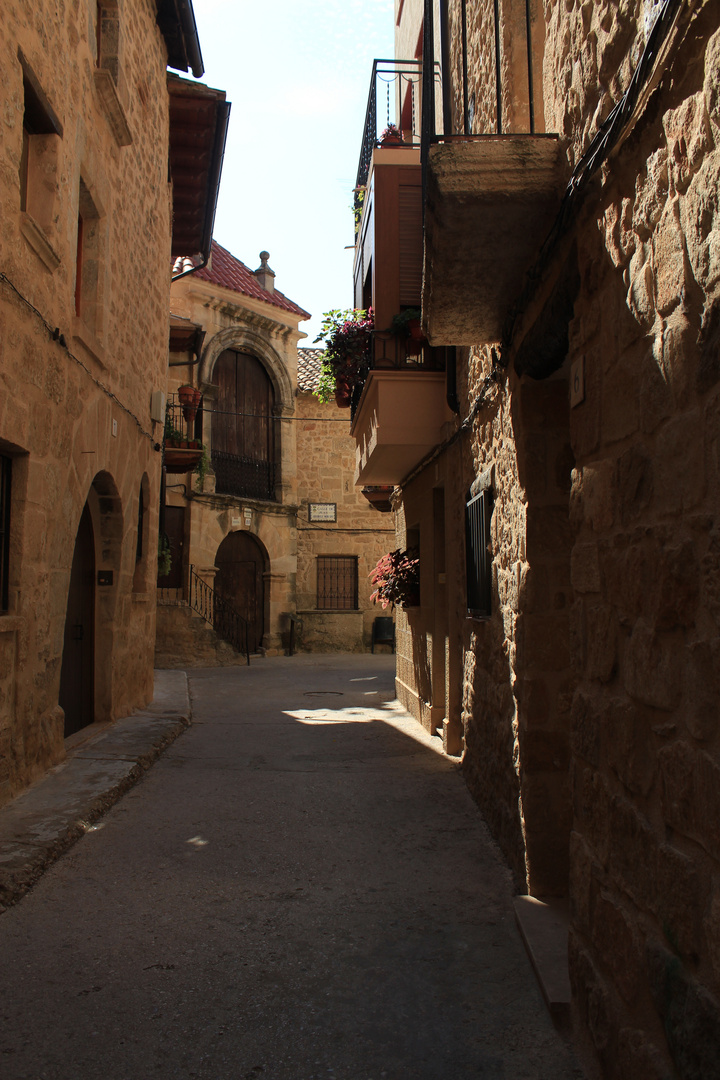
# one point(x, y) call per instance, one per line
point(391, 136)
point(180, 454)
point(189, 397)
point(347, 336)
point(406, 324)
point(397, 579)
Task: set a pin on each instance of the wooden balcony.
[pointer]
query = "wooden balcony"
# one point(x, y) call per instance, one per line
point(400, 419)
point(490, 203)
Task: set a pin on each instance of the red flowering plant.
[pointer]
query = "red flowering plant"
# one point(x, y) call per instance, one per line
point(347, 336)
point(397, 577)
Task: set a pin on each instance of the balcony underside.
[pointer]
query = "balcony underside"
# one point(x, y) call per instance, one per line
point(400, 419)
point(490, 204)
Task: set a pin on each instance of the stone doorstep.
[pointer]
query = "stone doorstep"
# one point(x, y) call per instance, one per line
point(543, 926)
point(102, 763)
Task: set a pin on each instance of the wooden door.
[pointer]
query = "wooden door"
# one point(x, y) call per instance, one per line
point(242, 431)
point(239, 580)
point(77, 674)
point(175, 532)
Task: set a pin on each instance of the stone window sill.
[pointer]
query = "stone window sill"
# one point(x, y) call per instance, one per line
point(112, 107)
point(82, 333)
point(38, 241)
point(10, 624)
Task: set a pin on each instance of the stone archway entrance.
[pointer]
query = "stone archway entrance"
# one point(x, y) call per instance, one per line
point(240, 562)
point(77, 675)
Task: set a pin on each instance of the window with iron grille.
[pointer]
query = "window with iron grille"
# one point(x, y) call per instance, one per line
point(478, 511)
point(5, 467)
point(337, 582)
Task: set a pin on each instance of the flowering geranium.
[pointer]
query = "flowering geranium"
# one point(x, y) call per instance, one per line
point(397, 577)
point(347, 336)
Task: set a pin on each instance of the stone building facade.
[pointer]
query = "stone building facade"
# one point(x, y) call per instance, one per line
point(83, 346)
point(275, 526)
point(566, 641)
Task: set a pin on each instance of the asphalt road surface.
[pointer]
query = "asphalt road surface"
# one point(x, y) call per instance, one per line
point(301, 888)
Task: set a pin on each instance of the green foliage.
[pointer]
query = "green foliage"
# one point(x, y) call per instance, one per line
point(400, 324)
point(347, 334)
point(201, 469)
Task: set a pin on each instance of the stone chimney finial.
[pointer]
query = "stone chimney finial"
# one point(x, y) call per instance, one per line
point(265, 276)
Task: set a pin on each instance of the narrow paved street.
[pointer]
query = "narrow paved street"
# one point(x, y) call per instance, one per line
point(300, 888)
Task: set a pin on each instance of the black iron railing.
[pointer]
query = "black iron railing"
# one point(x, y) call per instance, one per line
point(393, 352)
point(393, 82)
point(185, 420)
point(235, 475)
point(227, 623)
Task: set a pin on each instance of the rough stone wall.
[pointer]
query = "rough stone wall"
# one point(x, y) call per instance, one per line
point(326, 471)
point(644, 855)
point(589, 709)
point(60, 398)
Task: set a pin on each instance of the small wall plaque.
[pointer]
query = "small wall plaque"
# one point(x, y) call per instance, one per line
point(322, 512)
point(105, 577)
point(577, 382)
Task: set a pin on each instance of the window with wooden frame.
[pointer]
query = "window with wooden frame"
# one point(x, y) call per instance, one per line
point(478, 556)
point(337, 582)
point(5, 474)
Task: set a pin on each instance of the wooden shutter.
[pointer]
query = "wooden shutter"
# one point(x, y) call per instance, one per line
point(411, 244)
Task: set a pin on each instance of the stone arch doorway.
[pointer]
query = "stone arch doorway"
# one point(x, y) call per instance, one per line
point(77, 674)
point(240, 562)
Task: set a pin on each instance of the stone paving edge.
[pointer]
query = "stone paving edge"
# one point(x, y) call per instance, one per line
point(68, 812)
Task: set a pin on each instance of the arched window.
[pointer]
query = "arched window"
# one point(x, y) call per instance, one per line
point(243, 437)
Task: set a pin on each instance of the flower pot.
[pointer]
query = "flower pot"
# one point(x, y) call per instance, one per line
point(378, 497)
point(189, 397)
point(392, 140)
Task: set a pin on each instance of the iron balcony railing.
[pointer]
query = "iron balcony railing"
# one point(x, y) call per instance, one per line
point(235, 475)
point(227, 623)
point(392, 352)
point(392, 81)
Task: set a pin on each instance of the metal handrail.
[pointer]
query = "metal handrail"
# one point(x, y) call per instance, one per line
point(228, 623)
point(388, 72)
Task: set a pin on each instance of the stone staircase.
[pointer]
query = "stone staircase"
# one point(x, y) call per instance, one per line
point(184, 640)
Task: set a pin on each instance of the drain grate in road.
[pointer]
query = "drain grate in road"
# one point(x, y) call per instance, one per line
point(323, 693)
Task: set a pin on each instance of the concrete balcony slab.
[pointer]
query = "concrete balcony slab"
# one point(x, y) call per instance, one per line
point(490, 204)
point(400, 419)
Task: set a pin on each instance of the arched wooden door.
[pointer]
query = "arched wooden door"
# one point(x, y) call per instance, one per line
point(243, 450)
point(239, 580)
point(77, 674)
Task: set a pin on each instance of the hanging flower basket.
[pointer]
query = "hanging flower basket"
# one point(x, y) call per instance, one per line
point(348, 338)
point(189, 397)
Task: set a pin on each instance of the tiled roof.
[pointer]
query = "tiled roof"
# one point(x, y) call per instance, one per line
point(227, 271)
point(309, 364)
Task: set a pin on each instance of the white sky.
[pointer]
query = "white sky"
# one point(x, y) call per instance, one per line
point(297, 73)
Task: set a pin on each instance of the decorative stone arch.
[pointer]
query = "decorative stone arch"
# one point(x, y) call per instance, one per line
point(249, 340)
point(245, 339)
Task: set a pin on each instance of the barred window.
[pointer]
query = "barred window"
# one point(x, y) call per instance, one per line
point(337, 582)
point(478, 512)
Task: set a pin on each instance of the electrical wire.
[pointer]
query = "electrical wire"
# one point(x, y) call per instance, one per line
point(55, 335)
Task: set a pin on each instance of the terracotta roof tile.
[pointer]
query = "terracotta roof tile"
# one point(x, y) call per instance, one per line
point(309, 365)
point(228, 272)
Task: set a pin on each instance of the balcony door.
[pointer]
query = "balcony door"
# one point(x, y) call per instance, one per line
point(243, 451)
